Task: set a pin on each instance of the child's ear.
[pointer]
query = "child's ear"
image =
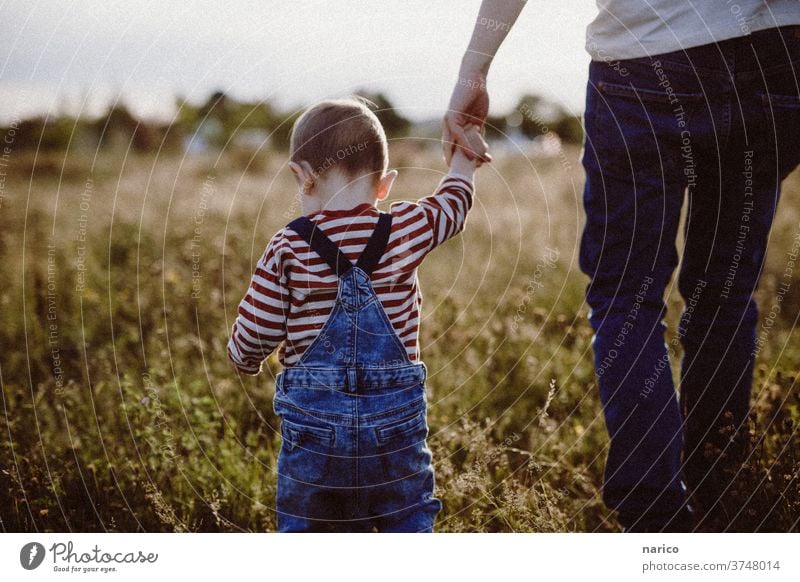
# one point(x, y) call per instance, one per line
point(303, 175)
point(385, 185)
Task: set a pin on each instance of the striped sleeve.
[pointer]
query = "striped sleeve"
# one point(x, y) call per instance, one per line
point(260, 325)
point(446, 210)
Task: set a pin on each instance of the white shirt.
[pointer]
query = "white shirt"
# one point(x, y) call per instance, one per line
point(626, 29)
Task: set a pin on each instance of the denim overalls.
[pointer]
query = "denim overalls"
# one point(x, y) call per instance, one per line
point(353, 413)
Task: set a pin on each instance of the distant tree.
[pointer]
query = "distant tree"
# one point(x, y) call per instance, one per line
point(43, 134)
point(220, 117)
point(119, 128)
point(393, 122)
point(282, 129)
point(215, 119)
point(496, 126)
point(540, 116)
point(570, 129)
point(259, 115)
point(218, 105)
point(532, 109)
point(186, 114)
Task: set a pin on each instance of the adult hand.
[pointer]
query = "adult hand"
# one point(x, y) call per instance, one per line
point(469, 105)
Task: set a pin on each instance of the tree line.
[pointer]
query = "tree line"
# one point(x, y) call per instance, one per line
point(221, 122)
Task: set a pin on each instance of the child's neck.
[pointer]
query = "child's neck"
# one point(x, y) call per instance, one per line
point(338, 192)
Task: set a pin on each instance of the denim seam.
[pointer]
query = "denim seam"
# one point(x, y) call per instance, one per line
point(345, 419)
point(646, 95)
point(322, 332)
point(791, 66)
point(319, 383)
point(297, 430)
point(414, 404)
point(356, 480)
point(354, 329)
point(675, 65)
point(339, 387)
point(414, 422)
point(769, 100)
point(395, 338)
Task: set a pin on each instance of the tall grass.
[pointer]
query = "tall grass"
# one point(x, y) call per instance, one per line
point(121, 276)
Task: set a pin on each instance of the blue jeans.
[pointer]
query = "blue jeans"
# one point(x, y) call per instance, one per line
point(718, 126)
point(353, 417)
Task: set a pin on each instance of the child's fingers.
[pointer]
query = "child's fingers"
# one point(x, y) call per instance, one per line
point(477, 143)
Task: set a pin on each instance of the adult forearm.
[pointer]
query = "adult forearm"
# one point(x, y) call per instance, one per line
point(494, 22)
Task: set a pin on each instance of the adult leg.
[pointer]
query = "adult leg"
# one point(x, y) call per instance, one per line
point(633, 197)
point(731, 212)
point(726, 235)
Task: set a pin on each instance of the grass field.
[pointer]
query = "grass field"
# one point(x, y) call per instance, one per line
point(121, 276)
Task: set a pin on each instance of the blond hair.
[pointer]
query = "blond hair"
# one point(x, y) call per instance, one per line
point(341, 133)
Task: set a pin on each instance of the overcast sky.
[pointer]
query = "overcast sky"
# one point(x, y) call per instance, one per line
point(74, 56)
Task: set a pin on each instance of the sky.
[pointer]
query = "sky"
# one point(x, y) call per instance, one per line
point(66, 56)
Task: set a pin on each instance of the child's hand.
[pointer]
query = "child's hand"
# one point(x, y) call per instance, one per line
point(460, 163)
point(477, 144)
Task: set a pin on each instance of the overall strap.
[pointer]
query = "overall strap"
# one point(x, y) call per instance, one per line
point(376, 245)
point(322, 245)
point(330, 252)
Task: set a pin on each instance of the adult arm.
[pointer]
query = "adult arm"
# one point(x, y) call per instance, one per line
point(469, 103)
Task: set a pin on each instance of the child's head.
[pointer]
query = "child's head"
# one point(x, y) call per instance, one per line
point(340, 144)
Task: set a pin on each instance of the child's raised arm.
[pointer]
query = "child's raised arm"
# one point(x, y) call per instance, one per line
point(445, 212)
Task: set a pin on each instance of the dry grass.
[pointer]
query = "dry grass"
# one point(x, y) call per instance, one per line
point(152, 431)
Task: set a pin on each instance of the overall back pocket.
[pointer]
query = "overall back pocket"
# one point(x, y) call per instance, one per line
point(414, 426)
point(302, 435)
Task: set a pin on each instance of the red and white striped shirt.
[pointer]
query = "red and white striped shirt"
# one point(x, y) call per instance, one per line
point(293, 290)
